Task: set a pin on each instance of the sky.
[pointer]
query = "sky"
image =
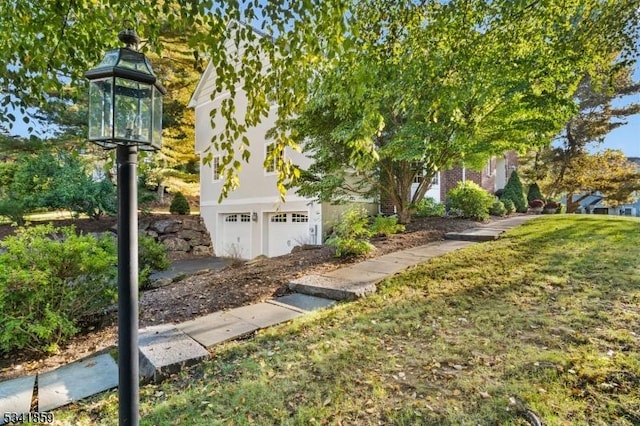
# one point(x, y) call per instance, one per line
point(626, 138)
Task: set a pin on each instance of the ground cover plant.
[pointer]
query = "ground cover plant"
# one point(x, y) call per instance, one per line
point(543, 319)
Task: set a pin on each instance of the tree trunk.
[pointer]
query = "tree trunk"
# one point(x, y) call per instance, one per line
point(160, 195)
point(404, 215)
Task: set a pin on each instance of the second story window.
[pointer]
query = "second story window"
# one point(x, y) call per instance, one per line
point(273, 163)
point(216, 166)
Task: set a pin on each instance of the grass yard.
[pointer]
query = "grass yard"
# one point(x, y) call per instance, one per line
point(546, 319)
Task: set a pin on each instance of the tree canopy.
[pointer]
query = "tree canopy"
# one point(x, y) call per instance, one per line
point(422, 86)
point(535, 51)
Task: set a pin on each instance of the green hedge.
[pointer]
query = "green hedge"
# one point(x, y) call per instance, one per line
point(50, 280)
point(470, 200)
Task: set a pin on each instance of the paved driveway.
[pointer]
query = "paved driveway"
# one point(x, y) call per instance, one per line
point(190, 266)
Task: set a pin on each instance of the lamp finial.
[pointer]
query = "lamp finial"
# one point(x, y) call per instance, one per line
point(129, 37)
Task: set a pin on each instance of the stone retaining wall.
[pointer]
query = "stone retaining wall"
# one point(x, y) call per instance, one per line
point(183, 236)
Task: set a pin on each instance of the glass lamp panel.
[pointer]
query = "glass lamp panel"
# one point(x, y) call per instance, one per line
point(110, 59)
point(157, 119)
point(134, 60)
point(132, 111)
point(100, 109)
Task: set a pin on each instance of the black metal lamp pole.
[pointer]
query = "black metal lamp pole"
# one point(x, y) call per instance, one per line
point(125, 113)
point(128, 361)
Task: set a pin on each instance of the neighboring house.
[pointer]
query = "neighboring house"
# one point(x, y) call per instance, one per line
point(594, 203)
point(492, 177)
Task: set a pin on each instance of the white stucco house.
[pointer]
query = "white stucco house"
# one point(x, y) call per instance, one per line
point(253, 220)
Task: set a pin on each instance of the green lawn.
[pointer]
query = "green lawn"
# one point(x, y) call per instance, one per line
point(547, 317)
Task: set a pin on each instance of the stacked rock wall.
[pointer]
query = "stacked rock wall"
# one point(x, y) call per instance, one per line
point(184, 236)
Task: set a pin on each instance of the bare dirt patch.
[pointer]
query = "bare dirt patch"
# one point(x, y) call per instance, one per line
point(210, 291)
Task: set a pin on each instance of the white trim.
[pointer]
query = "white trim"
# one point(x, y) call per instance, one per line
point(196, 93)
point(261, 200)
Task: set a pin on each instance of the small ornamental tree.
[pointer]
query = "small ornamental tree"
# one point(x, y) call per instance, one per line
point(513, 191)
point(179, 204)
point(534, 193)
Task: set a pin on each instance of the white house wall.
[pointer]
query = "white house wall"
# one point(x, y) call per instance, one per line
point(257, 194)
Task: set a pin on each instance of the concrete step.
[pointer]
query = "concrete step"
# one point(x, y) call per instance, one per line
point(331, 287)
point(220, 327)
point(475, 235)
point(303, 302)
point(164, 350)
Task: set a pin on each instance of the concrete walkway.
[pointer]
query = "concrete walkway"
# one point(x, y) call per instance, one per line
point(167, 348)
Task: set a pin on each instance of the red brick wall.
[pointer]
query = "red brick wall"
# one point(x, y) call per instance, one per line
point(450, 178)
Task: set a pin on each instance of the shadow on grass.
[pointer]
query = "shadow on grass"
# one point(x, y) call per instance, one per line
point(544, 314)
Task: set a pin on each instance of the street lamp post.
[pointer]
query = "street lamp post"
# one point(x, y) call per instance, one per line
point(125, 113)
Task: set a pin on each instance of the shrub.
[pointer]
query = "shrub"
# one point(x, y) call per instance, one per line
point(533, 193)
point(497, 208)
point(514, 192)
point(50, 281)
point(508, 205)
point(152, 256)
point(536, 204)
point(351, 235)
point(13, 210)
point(179, 204)
point(471, 200)
point(552, 206)
point(386, 226)
point(429, 207)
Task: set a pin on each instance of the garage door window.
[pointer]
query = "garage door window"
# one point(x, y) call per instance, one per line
point(231, 218)
point(279, 218)
point(244, 217)
point(299, 218)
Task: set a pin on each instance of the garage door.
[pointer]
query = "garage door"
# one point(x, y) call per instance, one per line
point(287, 230)
point(236, 235)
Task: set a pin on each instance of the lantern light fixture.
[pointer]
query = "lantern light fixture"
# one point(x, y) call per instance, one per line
point(125, 98)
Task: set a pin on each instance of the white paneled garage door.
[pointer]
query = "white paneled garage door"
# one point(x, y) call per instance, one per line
point(286, 230)
point(236, 235)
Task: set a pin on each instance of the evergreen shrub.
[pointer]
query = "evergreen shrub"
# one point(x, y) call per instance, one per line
point(179, 204)
point(428, 207)
point(386, 225)
point(497, 208)
point(152, 256)
point(513, 191)
point(533, 193)
point(509, 207)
